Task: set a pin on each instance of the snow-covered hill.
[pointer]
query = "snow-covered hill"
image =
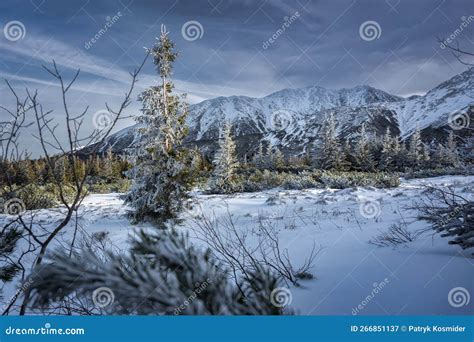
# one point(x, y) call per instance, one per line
point(292, 118)
point(434, 108)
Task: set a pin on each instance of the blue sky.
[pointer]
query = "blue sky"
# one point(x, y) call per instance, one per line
point(321, 45)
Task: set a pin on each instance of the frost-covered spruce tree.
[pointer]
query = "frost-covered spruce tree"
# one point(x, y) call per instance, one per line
point(447, 155)
point(390, 152)
point(400, 153)
point(268, 158)
point(259, 157)
point(452, 154)
point(425, 155)
point(347, 156)
point(363, 151)
point(225, 163)
point(161, 275)
point(160, 174)
point(9, 237)
point(278, 158)
point(451, 215)
point(387, 155)
point(415, 149)
point(330, 154)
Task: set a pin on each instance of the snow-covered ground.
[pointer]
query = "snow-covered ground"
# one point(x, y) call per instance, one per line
point(351, 276)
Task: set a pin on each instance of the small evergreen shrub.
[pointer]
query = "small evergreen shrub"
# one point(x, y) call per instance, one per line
point(257, 180)
point(436, 172)
point(348, 179)
point(36, 196)
point(161, 275)
point(300, 181)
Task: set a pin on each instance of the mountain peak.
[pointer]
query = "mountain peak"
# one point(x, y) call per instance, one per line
point(303, 110)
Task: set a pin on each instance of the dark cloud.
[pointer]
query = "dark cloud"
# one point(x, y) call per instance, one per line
point(322, 45)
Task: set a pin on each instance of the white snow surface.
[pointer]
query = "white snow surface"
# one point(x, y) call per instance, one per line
point(417, 276)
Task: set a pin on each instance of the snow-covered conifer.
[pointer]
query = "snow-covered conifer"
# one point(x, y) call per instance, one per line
point(161, 275)
point(259, 157)
point(9, 237)
point(160, 174)
point(225, 162)
point(387, 153)
point(415, 149)
point(447, 155)
point(363, 151)
point(278, 158)
point(330, 154)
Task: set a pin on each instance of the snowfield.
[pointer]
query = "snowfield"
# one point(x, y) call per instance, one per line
point(351, 276)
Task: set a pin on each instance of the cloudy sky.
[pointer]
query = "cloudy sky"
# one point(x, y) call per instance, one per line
point(233, 47)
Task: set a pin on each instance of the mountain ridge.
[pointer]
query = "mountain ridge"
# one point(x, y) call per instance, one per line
point(292, 118)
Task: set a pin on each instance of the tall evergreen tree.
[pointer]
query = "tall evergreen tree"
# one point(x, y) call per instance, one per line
point(259, 157)
point(386, 154)
point(447, 155)
point(330, 154)
point(363, 151)
point(390, 152)
point(278, 158)
point(425, 155)
point(415, 149)
point(452, 150)
point(160, 175)
point(225, 162)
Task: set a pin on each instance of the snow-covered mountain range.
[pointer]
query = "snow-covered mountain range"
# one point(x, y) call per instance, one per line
point(292, 118)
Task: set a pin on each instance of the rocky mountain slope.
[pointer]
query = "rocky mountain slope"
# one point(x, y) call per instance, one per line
point(292, 118)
